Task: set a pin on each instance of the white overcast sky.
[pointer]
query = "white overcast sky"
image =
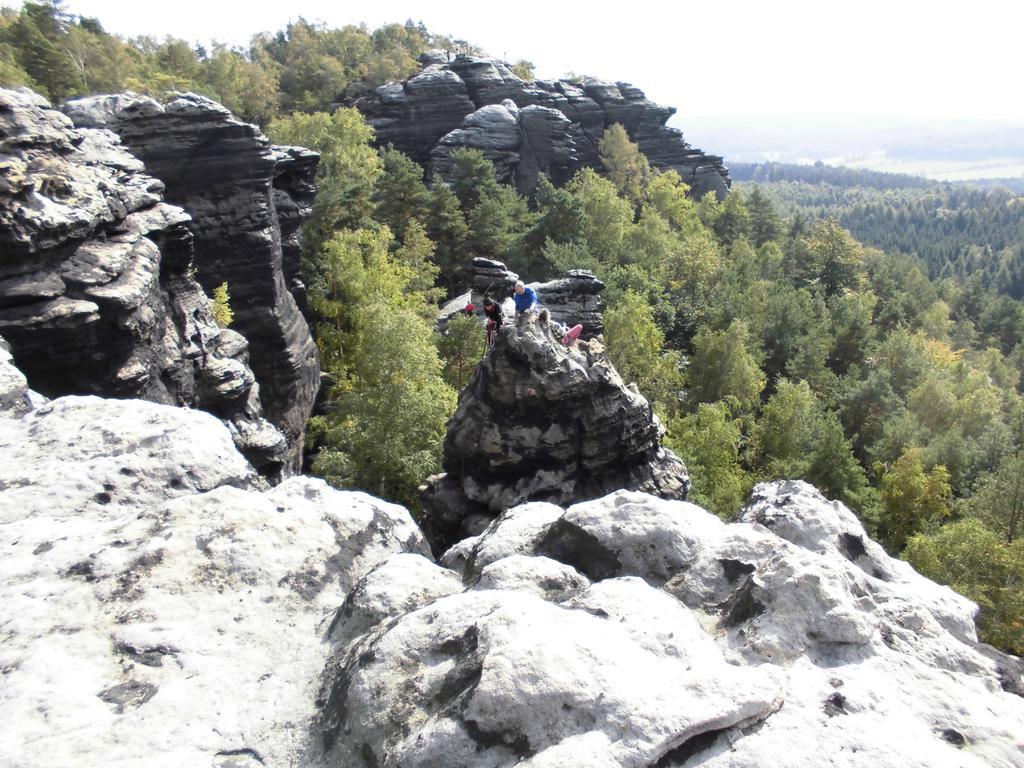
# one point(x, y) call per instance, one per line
point(910, 59)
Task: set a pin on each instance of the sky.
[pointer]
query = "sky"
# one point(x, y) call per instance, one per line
point(713, 58)
point(842, 64)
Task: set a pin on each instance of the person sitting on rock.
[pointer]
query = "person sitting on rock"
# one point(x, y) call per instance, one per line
point(525, 299)
point(571, 335)
point(492, 310)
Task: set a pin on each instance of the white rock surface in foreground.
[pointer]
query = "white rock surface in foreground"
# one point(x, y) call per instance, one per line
point(631, 631)
point(158, 608)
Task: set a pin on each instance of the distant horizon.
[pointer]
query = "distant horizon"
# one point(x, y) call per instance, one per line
point(792, 82)
point(709, 60)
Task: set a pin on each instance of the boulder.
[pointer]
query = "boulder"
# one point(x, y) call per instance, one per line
point(636, 631)
point(496, 678)
point(494, 130)
point(540, 421)
point(246, 200)
point(97, 293)
point(161, 607)
point(15, 396)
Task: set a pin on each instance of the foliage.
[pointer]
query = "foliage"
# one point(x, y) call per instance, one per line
point(796, 437)
point(709, 440)
point(913, 499)
point(524, 69)
point(461, 348)
point(999, 499)
point(221, 306)
point(836, 260)
point(377, 340)
point(625, 165)
point(957, 231)
point(349, 169)
point(722, 368)
point(392, 366)
point(400, 197)
point(635, 346)
point(304, 67)
point(978, 563)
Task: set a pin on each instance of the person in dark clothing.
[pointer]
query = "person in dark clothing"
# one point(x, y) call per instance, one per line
point(492, 310)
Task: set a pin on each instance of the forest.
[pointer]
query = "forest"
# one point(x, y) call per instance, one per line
point(969, 232)
point(863, 335)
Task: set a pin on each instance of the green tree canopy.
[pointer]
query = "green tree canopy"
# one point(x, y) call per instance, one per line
point(723, 368)
point(636, 347)
point(708, 441)
point(624, 163)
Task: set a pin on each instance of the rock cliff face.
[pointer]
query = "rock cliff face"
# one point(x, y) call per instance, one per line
point(162, 608)
point(96, 286)
point(246, 199)
point(527, 128)
point(539, 421)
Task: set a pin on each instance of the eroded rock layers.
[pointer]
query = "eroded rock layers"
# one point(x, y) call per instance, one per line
point(96, 286)
point(540, 421)
point(527, 127)
point(246, 199)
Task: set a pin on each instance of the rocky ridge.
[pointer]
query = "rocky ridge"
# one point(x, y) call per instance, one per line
point(97, 293)
point(541, 421)
point(526, 127)
point(164, 608)
point(246, 199)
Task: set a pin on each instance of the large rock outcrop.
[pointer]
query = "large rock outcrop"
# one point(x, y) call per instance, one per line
point(630, 632)
point(162, 608)
point(246, 199)
point(527, 128)
point(96, 286)
point(540, 421)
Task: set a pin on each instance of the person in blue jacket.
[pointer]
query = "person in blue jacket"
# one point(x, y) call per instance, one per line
point(525, 299)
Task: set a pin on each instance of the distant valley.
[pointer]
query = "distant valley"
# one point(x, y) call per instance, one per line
point(947, 151)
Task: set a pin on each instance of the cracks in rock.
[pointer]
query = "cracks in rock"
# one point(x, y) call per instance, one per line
point(244, 757)
point(735, 569)
point(150, 656)
point(741, 606)
point(851, 546)
point(689, 748)
point(570, 544)
point(835, 705)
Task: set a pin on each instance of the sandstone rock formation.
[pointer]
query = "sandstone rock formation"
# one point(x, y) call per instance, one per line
point(575, 298)
point(160, 607)
point(539, 421)
point(527, 128)
point(246, 199)
point(96, 286)
point(632, 631)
